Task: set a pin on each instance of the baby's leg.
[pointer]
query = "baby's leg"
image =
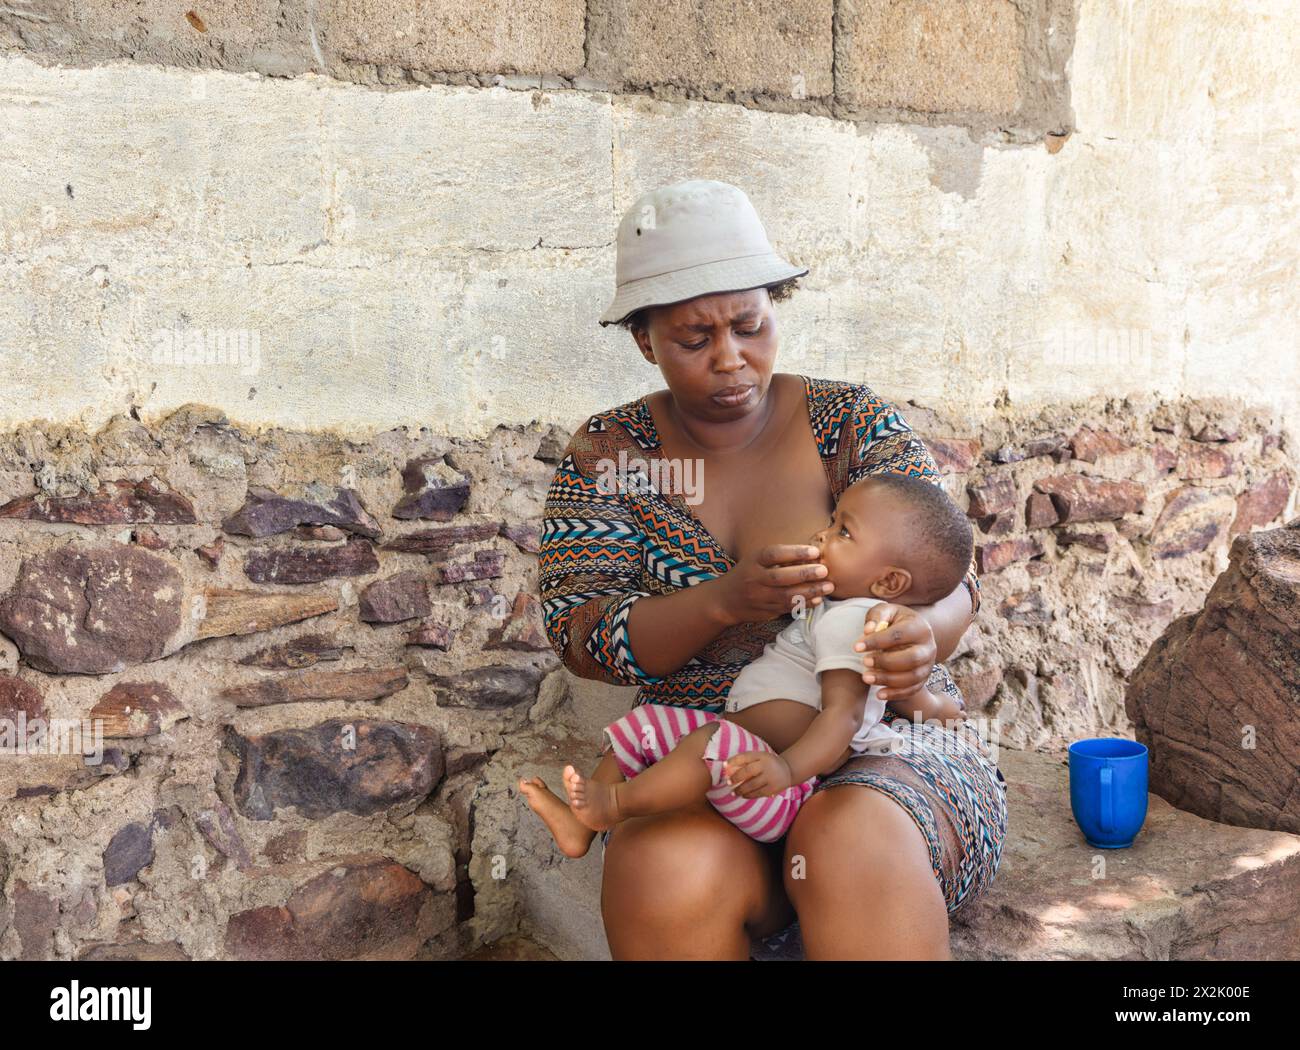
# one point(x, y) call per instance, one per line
point(571, 836)
point(672, 773)
point(762, 817)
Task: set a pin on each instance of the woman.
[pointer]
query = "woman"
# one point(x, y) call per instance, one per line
point(667, 563)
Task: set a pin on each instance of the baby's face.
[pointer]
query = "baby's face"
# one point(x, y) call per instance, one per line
point(861, 540)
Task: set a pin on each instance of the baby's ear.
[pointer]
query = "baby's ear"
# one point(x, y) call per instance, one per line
point(892, 584)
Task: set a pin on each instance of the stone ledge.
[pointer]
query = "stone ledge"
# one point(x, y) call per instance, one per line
point(1188, 889)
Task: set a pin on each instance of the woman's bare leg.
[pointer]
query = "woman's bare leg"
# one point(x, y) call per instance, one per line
point(689, 885)
point(867, 890)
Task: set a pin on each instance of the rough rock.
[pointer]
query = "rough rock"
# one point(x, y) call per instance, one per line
point(993, 557)
point(303, 651)
point(1217, 698)
point(1089, 445)
point(991, 496)
point(115, 503)
point(315, 770)
point(128, 852)
point(494, 687)
point(486, 565)
point(404, 596)
point(1097, 541)
point(1078, 498)
point(954, 455)
point(1197, 461)
point(364, 908)
point(431, 636)
point(217, 825)
point(527, 536)
point(433, 490)
point(523, 629)
point(356, 557)
point(1262, 503)
point(266, 513)
point(1192, 519)
point(1040, 511)
point(92, 610)
point(19, 698)
point(227, 611)
point(1026, 609)
point(307, 686)
point(35, 918)
point(210, 553)
point(137, 709)
point(424, 541)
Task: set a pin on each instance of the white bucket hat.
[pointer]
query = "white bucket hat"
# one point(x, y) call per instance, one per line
point(689, 239)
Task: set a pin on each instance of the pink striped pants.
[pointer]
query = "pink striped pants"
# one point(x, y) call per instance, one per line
point(649, 732)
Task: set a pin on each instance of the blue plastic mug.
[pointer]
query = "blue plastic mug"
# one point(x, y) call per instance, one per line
point(1108, 790)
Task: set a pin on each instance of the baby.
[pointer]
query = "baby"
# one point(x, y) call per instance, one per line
point(799, 710)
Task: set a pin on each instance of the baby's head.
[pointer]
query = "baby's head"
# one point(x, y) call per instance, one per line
point(896, 538)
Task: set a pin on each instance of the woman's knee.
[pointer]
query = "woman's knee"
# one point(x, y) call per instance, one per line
point(858, 837)
point(683, 885)
point(860, 877)
point(688, 862)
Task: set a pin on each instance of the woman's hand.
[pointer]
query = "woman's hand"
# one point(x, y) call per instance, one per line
point(770, 583)
point(900, 658)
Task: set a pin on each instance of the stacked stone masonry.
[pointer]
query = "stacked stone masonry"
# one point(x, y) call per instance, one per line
point(303, 650)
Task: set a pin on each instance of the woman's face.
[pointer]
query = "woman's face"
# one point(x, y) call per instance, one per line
point(715, 352)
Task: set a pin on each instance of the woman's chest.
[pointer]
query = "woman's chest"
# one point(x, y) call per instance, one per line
point(777, 491)
point(781, 500)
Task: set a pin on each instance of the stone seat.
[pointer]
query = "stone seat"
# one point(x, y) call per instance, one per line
point(1188, 888)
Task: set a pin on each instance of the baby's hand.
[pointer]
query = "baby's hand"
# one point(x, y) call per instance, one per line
point(754, 774)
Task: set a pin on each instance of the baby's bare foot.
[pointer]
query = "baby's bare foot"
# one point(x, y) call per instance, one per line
point(593, 802)
point(571, 837)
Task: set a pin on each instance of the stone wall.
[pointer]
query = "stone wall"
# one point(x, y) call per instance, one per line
point(302, 651)
point(1097, 523)
point(298, 651)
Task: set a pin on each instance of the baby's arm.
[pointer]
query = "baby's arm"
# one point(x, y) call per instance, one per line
point(825, 744)
point(927, 705)
point(823, 747)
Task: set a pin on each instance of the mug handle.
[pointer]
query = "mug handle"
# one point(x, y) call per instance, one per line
point(1107, 799)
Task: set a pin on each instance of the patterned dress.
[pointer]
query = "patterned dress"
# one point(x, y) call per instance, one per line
point(610, 537)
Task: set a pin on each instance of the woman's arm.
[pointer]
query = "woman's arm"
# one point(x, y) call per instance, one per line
point(669, 629)
point(948, 619)
point(902, 660)
point(589, 570)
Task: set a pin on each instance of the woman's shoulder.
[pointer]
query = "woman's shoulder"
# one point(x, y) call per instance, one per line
point(844, 394)
point(625, 428)
point(846, 414)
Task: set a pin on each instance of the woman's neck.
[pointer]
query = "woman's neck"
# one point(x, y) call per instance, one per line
point(720, 439)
